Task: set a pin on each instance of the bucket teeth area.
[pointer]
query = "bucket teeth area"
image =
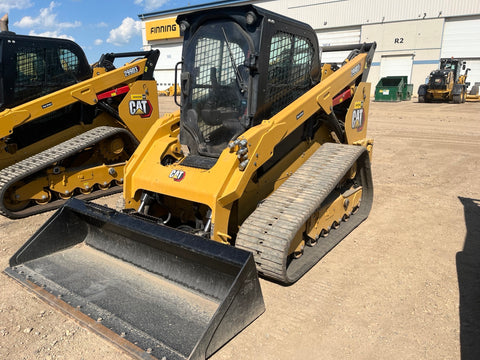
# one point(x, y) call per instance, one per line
point(150, 289)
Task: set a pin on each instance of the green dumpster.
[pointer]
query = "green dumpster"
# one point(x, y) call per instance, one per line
point(393, 88)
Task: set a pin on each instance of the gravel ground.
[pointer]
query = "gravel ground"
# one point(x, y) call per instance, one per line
point(403, 285)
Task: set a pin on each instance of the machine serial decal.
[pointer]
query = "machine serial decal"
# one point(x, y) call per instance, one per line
point(177, 175)
point(355, 70)
point(139, 105)
point(358, 116)
point(47, 105)
point(131, 71)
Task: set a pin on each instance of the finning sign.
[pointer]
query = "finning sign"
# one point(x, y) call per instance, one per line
point(162, 29)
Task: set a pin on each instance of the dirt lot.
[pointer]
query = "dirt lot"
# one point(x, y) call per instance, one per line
point(404, 285)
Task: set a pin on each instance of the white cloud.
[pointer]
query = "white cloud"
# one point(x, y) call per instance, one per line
point(47, 19)
point(122, 34)
point(7, 5)
point(150, 4)
point(52, 34)
point(98, 42)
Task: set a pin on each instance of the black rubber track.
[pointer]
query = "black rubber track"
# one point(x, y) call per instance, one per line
point(44, 159)
point(269, 230)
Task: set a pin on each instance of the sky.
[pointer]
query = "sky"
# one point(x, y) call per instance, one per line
point(99, 27)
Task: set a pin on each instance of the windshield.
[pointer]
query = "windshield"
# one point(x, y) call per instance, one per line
point(216, 103)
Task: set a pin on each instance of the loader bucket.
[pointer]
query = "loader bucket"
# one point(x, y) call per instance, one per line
point(154, 291)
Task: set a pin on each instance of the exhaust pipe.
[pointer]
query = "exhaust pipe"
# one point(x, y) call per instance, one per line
point(4, 23)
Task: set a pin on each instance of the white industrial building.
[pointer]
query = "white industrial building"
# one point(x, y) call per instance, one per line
point(411, 35)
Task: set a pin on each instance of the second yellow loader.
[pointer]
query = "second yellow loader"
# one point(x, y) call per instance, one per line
point(66, 128)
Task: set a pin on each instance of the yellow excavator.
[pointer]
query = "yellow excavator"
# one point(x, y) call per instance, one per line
point(263, 170)
point(66, 128)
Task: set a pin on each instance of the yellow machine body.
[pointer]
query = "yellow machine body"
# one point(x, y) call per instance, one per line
point(224, 188)
point(263, 170)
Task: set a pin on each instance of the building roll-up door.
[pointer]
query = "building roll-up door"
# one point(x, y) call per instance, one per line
point(474, 73)
point(170, 55)
point(461, 40)
point(165, 78)
point(396, 65)
point(337, 37)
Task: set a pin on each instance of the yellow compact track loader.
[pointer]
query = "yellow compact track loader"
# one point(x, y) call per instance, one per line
point(264, 170)
point(66, 129)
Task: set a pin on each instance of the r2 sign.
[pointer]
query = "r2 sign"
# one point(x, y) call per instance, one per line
point(398, 41)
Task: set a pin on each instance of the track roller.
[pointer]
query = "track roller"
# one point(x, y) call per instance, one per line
point(270, 232)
